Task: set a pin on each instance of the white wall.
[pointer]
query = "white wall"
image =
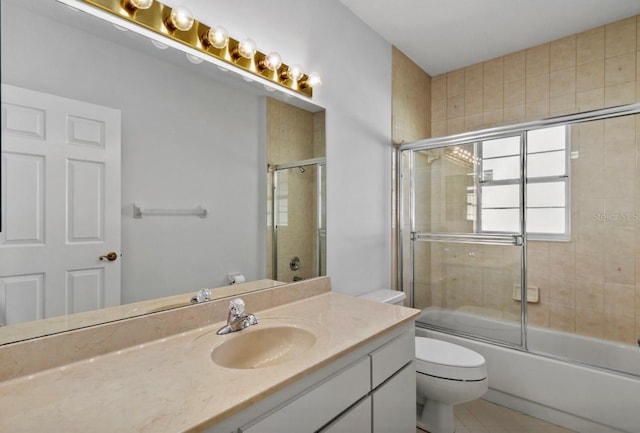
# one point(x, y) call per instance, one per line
point(175, 155)
point(355, 63)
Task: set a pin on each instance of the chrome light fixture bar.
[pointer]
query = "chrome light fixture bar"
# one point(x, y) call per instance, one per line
point(208, 42)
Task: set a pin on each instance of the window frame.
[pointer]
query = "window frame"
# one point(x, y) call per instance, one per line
point(565, 179)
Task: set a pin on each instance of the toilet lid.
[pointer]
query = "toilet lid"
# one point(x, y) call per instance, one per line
point(443, 359)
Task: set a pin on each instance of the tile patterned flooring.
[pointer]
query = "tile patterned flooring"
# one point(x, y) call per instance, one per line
point(481, 416)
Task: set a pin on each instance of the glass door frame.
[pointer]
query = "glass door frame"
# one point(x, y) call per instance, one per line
point(472, 137)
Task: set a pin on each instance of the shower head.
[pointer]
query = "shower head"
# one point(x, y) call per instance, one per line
point(302, 170)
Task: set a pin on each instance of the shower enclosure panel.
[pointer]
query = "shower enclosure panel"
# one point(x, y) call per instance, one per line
point(572, 184)
point(465, 244)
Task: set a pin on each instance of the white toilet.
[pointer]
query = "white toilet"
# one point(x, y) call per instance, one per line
point(447, 374)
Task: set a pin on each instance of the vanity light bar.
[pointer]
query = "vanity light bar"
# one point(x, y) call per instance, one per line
point(161, 19)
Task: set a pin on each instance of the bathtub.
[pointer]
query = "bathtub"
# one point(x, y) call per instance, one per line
point(553, 381)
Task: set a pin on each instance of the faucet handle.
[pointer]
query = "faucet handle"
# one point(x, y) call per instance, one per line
point(201, 296)
point(236, 306)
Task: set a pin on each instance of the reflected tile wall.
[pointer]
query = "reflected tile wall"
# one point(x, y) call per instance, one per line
point(590, 285)
point(293, 135)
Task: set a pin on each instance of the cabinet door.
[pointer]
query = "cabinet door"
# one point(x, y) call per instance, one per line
point(318, 406)
point(394, 403)
point(355, 420)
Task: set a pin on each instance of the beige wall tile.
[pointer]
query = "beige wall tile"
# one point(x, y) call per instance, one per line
point(620, 37)
point(620, 94)
point(537, 88)
point(537, 109)
point(514, 66)
point(473, 77)
point(455, 107)
point(590, 46)
point(514, 113)
point(494, 72)
point(562, 318)
point(620, 69)
point(473, 101)
point(562, 82)
point(590, 76)
point(439, 88)
point(455, 125)
point(493, 98)
point(411, 100)
point(514, 93)
point(493, 117)
point(438, 128)
point(474, 121)
point(591, 265)
point(563, 53)
point(563, 104)
point(562, 291)
point(590, 323)
point(590, 99)
point(589, 295)
point(538, 314)
point(619, 328)
point(455, 83)
point(537, 60)
point(438, 110)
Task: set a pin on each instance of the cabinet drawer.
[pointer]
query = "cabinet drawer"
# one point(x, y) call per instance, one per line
point(392, 357)
point(394, 403)
point(312, 410)
point(355, 420)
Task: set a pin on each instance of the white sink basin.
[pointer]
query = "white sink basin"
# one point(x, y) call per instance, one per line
point(257, 347)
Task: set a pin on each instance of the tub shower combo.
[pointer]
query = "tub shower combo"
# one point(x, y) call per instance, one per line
point(520, 242)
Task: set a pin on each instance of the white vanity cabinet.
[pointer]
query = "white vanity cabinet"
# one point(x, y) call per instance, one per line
point(369, 390)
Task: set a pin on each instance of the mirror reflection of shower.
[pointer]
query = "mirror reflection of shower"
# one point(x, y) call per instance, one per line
point(298, 219)
point(296, 194)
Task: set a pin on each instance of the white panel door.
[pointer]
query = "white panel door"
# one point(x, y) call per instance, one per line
point(60, 206)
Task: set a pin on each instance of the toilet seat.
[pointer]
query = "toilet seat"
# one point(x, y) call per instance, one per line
point(448, 361)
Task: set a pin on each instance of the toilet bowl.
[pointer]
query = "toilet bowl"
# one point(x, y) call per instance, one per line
point(446, 374)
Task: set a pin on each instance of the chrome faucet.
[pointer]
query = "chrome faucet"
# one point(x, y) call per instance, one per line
point(237, 319)
point(202, 296)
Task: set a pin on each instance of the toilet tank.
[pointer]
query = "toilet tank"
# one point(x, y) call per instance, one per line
point(386, 296)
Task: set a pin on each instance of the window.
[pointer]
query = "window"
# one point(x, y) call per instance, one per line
point(547, 184)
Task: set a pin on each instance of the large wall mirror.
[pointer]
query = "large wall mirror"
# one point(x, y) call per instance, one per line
point(184, 201)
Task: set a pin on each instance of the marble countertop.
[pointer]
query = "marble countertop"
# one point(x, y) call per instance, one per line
point(172, 385)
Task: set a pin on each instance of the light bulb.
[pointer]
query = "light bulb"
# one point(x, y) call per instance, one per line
point(181, 18)
point(217, 37)
point(247, 48)
point(140, 4)
point(314, 80)
point(294, 72)
point(272, 61)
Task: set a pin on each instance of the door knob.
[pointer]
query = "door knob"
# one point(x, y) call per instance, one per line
point(109, 256)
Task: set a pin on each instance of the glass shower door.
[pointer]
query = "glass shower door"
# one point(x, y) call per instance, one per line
point(466, 243)
point(298, 220)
